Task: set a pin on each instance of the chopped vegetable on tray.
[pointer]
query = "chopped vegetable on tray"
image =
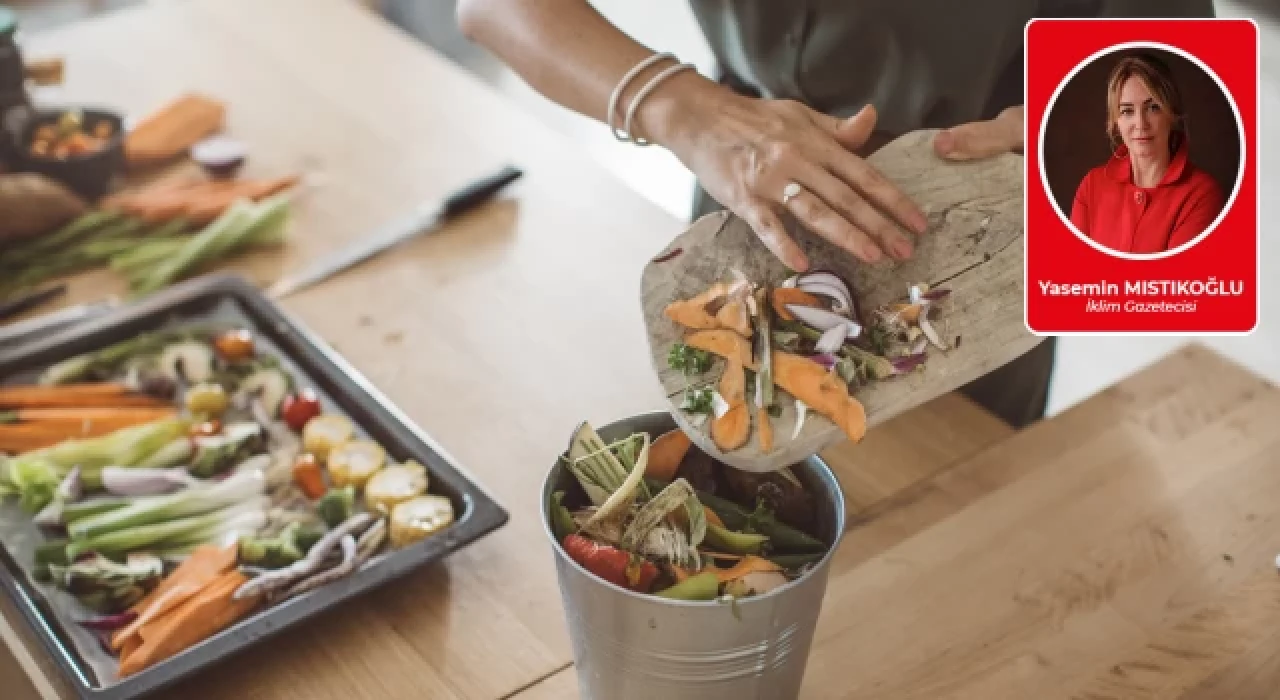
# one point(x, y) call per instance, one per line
point(184, 479)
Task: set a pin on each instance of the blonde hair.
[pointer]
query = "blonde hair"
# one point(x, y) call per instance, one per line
point(1158, 79)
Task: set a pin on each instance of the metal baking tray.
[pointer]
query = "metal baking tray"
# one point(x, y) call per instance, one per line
point(339, 386)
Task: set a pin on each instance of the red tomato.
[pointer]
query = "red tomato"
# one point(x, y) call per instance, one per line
point(300, 408)
point(611, 564)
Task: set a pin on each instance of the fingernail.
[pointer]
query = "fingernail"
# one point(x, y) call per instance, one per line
point(902, 249)
point(871, 254)
point(945, 143)
point(920, 222)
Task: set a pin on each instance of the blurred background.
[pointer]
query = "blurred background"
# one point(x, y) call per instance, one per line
point(1085, 365)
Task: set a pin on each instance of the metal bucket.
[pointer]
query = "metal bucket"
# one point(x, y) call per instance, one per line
point(632, 646)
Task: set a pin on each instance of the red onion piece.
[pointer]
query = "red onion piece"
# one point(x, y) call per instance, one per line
point(843, 305)
point(827, 360)
point(902, 365)
point(110, 623)
point(936, 294)
point(823, 320)
point(832, 339)
point(930, 333)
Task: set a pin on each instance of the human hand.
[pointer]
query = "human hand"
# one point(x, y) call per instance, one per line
point(983, 139)
point(746, 151)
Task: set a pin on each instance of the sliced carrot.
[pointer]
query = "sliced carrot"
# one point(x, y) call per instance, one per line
point(731, 430)
point(724, 343)
point(690, 315)
point(207, 208)
point(204, 565)
point(665, 455)
point(823, 391)
point(200, 617)
point(749, 564)
point(790, 295)
point(733, 315)
point(76, 415)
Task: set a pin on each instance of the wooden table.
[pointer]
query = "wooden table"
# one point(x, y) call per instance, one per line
point(1123, 549)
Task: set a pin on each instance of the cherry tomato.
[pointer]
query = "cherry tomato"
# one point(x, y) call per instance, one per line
point(234, 346)
point(206, 429)
point(300, 408)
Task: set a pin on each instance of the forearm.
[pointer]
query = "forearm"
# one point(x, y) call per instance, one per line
point(572, 55)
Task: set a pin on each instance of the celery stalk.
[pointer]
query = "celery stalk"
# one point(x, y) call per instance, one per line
point(155, 509)
point(177, 532)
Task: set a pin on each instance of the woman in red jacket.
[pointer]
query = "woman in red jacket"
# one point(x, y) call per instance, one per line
point(1148, 198)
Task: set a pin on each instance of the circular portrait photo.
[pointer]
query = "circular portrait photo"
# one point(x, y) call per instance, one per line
point(1141, 151)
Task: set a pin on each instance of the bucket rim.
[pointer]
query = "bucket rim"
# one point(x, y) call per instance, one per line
point(825, 470)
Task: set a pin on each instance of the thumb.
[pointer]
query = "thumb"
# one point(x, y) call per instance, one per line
point(852, 133)
point(981, 139)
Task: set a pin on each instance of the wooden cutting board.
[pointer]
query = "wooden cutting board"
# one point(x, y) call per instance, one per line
point(974, 247)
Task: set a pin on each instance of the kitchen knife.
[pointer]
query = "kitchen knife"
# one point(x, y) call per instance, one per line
point(423, 220)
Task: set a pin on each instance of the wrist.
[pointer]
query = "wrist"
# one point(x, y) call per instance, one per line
point(679, 110)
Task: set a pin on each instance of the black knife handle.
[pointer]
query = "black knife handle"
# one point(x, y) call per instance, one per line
point(479, 191)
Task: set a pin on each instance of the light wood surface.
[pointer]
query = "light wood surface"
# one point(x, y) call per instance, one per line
point(973, 247)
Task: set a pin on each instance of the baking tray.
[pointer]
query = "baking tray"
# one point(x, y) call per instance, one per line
point(340, 387)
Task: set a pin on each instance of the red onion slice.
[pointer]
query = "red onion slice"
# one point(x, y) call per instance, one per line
point(832, 339)
point(823, 320)
point(902, 365)
point(930, 333)
point(827, 360)
point(110, 623)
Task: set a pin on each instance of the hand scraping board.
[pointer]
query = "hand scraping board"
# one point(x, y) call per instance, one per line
point(973, 248)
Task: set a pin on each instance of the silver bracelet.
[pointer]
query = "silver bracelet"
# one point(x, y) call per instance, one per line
point(622, 84)
point(653, 84)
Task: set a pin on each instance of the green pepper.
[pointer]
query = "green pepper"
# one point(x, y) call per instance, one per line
point(561, 520)
point(783, 538)
point(725, 540)
point(704, 586)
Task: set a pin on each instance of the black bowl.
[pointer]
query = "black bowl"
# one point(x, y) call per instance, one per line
point(90, 174)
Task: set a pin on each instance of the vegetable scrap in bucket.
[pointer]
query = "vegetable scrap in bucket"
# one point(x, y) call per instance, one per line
point(184, 479)
point(804, 341)
point(658, 516)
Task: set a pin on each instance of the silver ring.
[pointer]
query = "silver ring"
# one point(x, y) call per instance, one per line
point(791, 190)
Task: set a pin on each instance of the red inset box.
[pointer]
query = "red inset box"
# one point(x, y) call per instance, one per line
point(1142, 177)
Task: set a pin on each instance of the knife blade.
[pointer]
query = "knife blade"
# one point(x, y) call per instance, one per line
point(422, 220)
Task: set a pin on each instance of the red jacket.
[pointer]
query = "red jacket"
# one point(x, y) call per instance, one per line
point(1118, 214)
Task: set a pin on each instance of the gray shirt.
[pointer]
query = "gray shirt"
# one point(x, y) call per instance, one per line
point(922, 63)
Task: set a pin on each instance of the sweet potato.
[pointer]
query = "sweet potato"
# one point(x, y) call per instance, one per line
point(690, 315)
point(665, 455)
point(733, 316)
point(823, 391)
point(724, 343)
point(32, 204)
point(790, 295)
point(173, 129)
point(200, 617)
point(731, 430)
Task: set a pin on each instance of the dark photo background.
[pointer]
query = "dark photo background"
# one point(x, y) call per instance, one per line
point(1075, 138)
